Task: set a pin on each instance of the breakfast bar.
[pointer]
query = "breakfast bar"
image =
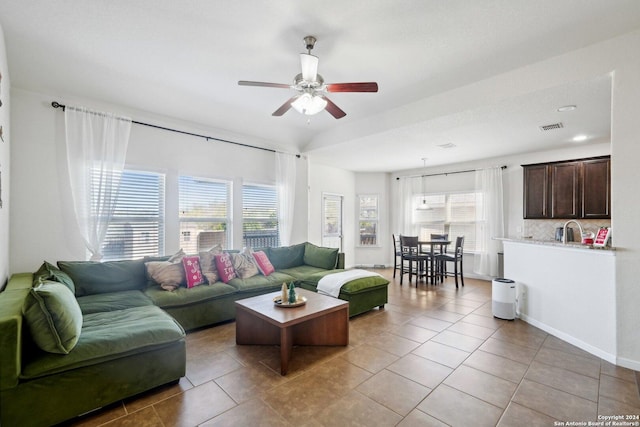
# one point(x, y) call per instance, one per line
point(567, 290)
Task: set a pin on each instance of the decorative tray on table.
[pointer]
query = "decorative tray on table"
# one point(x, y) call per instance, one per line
point(278, 302)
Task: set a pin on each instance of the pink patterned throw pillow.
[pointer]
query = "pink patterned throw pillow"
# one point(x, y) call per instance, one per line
point(225, 267)
point(192, 271)
point(264, 265)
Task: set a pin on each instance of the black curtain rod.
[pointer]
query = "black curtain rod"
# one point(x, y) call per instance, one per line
point(443, 173)
point(55, 104)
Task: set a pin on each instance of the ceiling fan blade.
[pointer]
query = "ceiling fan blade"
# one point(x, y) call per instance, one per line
point(309, 64)
point(333, 109)
point(284, 107)
point(353, 87)
point(263, 84)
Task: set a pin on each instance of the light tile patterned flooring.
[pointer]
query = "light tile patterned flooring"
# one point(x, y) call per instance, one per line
point(433, 357)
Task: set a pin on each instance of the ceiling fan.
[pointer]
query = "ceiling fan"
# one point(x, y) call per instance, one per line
point(311, 89)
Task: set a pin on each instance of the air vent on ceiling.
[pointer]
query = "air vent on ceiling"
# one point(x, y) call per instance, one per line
point(447, 145)
point(551, 126)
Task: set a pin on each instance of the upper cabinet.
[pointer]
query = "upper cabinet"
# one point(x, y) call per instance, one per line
point(568, 189)
point(536, 191)
point(596, 188)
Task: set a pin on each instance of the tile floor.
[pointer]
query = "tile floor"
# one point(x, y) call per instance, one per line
point(433, 357)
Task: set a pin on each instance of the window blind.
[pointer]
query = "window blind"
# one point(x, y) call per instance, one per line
point(259, 216)
point(137, 225)
point(203, 213)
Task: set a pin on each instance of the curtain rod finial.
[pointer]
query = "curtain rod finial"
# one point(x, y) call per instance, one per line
point(56, 104)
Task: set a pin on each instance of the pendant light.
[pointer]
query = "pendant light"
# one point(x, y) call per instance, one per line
point(423, 206)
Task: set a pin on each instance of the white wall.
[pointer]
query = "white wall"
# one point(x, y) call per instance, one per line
point(375, 184)
point(43, 225)
point(5, 162)
point(326, 179)
point(625, 203)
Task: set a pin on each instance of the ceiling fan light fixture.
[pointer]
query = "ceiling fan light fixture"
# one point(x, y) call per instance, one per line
point(308, 104)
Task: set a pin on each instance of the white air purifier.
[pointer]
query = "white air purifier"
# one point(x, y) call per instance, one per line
point(503, 298)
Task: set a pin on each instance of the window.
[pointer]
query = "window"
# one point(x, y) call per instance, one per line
point(447, 213)
point(368, 220)
point(259, 216)
point(137, 225)
point(204, 213)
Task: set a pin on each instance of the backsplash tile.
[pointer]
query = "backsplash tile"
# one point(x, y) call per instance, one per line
point(545, 229)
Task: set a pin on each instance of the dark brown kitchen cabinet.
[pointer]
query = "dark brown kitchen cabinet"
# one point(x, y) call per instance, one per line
point(565, 189)
point(596, 188)
point(569, 189)
point(536, 189)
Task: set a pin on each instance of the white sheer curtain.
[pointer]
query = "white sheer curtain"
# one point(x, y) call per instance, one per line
point(409, 186)
point(286, 189)
point(489, 221)
point(96, 150)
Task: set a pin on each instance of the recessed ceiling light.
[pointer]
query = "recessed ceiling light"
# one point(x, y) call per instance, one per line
point(447, 145)
point(580, 138)
point(567, 108)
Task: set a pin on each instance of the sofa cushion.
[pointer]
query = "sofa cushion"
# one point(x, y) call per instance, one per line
point(99, 303)
point(110, 335)
point(92, 277)
point(317, 256)
point(192, 271)
point(287, 256)
point(225, 267)
point(54, 317)
point(273, 281)
point(303, 271)
point(49, 271)
point(263, 263)
point(169, 273)
point(184, 296)
point(244, 264)
point(208, 263)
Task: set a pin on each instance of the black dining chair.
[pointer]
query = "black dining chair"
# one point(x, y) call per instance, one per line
point(397, 254)
point(413, 262)
point(455, 258)
point(439, 265)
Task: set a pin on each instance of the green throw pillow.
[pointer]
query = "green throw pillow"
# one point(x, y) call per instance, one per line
point(320, 257)
point(49, 271)
point(54, 317)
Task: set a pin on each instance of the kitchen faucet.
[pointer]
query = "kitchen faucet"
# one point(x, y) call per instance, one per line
point(564, 230)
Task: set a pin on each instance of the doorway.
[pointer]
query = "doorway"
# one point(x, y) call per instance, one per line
point(332, 220)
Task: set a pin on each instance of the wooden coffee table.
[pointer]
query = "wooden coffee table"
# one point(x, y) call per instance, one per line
point(323, 320)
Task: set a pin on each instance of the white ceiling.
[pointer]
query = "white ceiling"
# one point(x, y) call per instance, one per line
point(183, 60)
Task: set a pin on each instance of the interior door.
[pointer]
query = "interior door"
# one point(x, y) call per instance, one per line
point(332, 220)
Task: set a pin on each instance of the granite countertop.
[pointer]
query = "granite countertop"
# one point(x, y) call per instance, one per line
point(570, 245)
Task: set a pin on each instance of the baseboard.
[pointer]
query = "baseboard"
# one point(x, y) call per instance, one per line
point(376, 266)
point(630, 364)
point(611, 358)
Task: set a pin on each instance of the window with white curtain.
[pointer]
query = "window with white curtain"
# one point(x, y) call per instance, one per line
point(259, 216)
point(136, 228)
point(368, 219)
point(451, 213)
point(204, 215)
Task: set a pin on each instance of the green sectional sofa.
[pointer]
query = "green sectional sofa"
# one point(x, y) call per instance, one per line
point(82, 335)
